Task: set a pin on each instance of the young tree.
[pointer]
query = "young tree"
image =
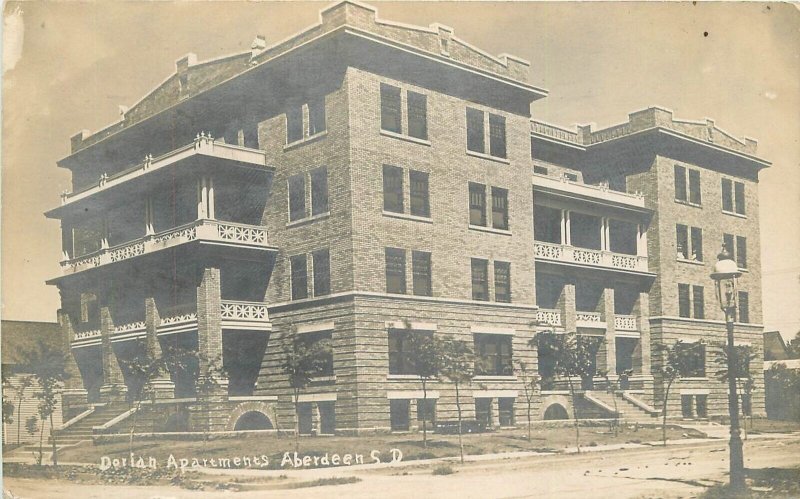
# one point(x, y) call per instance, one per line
point(744, 355)
point(423, 352)
point(25, 382)
point(458, 366)
point(148, 369)
point(677, 360)
point(573, 356)
point(301, 361)
point(613, 388)
point(48, 366)
point(530, 385)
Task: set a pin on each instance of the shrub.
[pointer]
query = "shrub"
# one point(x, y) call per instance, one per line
point(443, 469)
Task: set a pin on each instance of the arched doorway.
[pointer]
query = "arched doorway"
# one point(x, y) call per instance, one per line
point(253, 420)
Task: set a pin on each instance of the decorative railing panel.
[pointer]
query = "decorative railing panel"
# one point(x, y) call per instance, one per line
point(588, 317)
point(583, 256)
point(244, 311)
point(83, 335)
point(554, 132)
point(179, 318)
point(548, 316)
point(241, 233)
point(131, 326)
point(625, 323)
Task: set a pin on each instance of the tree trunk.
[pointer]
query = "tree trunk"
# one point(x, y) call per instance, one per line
point(664, 413)
point(424, 414)
point(41, 444)
point(575, 414)
point(19, 408)
point(460, 441)
point(530, 400)
point(297, 420)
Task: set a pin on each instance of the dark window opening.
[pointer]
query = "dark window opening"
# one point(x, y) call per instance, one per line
point(297, 197)
point(493, 355)
point(502, 282)
point(421, 271)
point(475, 131)
point(393, 189)
point(697, 244)
point(744, 306)
point(319, 191)
point(299, 272)
point(499, 208)
point(294, 124)
point(694, 187)
point(417, 115)
point(741, 252)
point(395, 270)
point(727, 195)
point(684, 301)
point(321, 259)
point(477, 204)
point(680, 183)
point(316, 116)
point(497, 135)
point(391, 109)
point(322, 364)
point(740, 202)
point(420, 202)
point(480, 279)
point(401, 360)
point(682, 241)
point(698, 302)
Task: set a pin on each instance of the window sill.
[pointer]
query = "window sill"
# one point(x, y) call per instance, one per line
point(407, 138)
point(490, 377)
point(306, 140)
point(695, 378)
point(691, 262)
point(390, 377)
point(481, 155)
point(308, 220)
point(734, 214)
point(404, 216)
point(323, 379)
point(689, 203)
point(491, 230)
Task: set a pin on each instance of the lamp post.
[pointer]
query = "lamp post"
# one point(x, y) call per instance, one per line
point(725, 274)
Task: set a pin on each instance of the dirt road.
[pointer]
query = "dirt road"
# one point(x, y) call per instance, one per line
point(672, 472)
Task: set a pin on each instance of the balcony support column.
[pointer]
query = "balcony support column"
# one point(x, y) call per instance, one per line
point(565, 228)
point(641, 240)
point(74, 397)
point(642, 311)
point(104, 233)
point(211, 213)
point(209, 323)
point(149, 216)
point(162, 385)
point(611, 336)
point(605, 235)
point(566, 304)
point(205, 197)
point(113, 388)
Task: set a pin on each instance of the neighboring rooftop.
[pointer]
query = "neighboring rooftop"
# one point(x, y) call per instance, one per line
point(647, 119)
point(436, 41)
point(19, 337)
point(774, 346)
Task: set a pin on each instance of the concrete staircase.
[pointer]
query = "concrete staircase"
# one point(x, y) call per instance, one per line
point(628, 406)
point(82, 430)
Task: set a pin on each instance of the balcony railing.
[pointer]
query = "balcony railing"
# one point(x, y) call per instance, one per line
point(553, 184)
point(551, 317)
point(554, 131)
point(588, 317)
point(203, 145)
point(625, 323)
point(209, 230)
point(590, 257)
point(244, 315)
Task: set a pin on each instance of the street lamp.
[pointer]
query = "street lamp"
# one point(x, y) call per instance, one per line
point(725, 274)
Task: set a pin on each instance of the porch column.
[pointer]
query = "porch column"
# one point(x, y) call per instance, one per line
point(104, 234)
point(569, 314)
point(641, 240)
point(611, 336)
point(209, 324)
point(210, 182)
point(113, 388)
point(566, 238)
point(605, 234)
point(642, 311)
point(149, 225)
point(162, 385)
point(202, 196)
point(74, 397)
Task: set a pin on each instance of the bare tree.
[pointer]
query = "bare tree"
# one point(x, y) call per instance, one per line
point(678, 360)
point(530, 385)
point(458, 366)
point(423, 353)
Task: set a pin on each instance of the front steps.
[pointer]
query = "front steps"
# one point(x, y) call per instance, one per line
point(83, 429)
point(626, 406)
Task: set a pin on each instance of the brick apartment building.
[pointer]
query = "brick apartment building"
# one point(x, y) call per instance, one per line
point(365, 173)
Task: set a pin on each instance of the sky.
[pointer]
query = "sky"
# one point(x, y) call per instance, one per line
point(69, 66)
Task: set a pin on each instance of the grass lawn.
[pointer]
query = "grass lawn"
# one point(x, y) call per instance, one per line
point(273, 446)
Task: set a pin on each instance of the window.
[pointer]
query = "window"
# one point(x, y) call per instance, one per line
point(572, 177)
point(505, 406)
point(401, 360)
point(684, 301)
point(299, 273)
point(741, 252)
point(499, 208)
point(736, 246)
point(421, 272)
point(687, 251)
point(417, 115)
point(744, 306)
point(294, 124)
point(250, 136)
point(297, 197)
point(497, 136)
point(319, 191)
point(391, 109)
point(739, 198)
point(477, 204)
point(694, 187)
point(540, 170)
point(395, 270)
point(493, 355)
point(316, 116)
point(502, 282)
point(727, 195)
point(393, 189)
point(475, 131)
point(687, 406)
point(426, 407)
point(324, 364)
point(321, 260)
point(680, 183)
point(420, 202)
point(733, 196)
point(698, 302)
point(480, 279)
point(682, 241)
point(693, 358)
point(398, 414)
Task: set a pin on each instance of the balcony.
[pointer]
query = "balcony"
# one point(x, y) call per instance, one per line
point(202, 153)
point(571, 255)
point(625, 323)
point(234, 315)
point(550, 317)
point(562, 187)
point(203, 231)
point(591, 320)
